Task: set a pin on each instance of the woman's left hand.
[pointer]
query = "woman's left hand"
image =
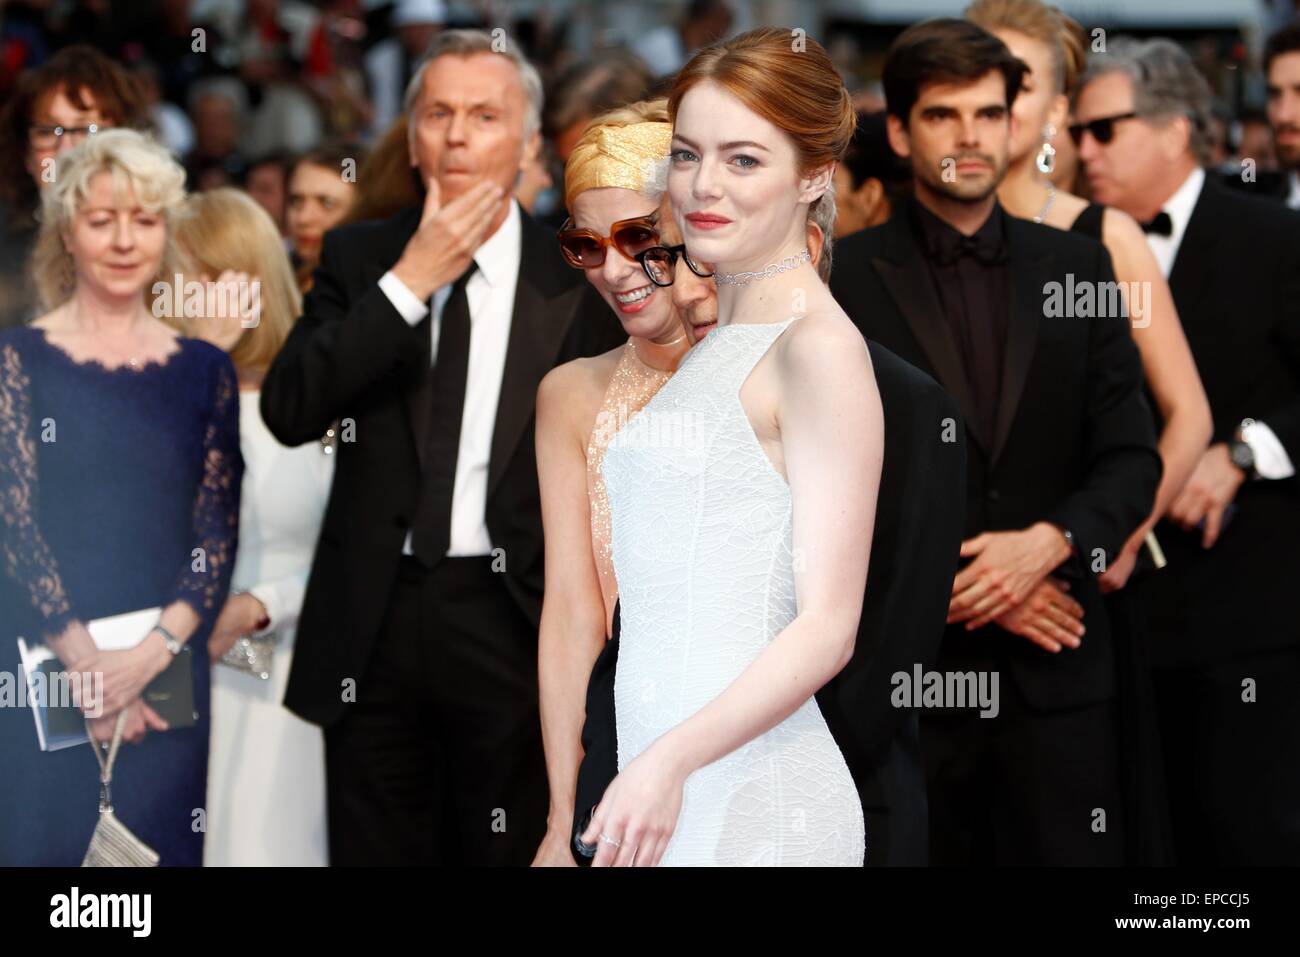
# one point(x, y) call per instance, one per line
point(639, 811)
point(125, 675)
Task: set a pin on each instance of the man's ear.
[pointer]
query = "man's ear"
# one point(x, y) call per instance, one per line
point(899, 140)
point(1176, 137)
point(816, 183)
point(532, 148)
point(868, 196)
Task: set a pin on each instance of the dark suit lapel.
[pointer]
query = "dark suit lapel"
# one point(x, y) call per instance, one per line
point(1191, 271)
point(1029, 274)
point(536, 334)
point(418, 392)
point(906, 276)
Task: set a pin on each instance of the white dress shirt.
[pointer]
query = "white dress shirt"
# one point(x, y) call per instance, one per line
point(1293, 198)
point(1271, 460)
point(491, 295)
point(1179, 207)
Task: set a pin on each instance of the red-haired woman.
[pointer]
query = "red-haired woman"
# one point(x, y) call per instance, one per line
point(741, 561)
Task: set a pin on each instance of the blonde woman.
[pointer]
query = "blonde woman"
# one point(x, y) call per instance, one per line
point(120, 471)
point(266, 770)
point(613, 186)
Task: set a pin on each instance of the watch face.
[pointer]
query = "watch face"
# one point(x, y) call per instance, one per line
point(1241, 456)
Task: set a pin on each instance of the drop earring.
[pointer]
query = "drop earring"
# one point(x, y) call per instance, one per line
point(1046, 159)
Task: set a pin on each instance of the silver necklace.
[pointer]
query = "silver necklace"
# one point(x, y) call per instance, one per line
point(771, 269)
point(1051, 195)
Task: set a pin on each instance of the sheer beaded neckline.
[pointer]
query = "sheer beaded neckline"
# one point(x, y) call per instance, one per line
point(96, 365)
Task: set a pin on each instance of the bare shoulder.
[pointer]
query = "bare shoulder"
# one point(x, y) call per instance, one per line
point(571, 393)
point(1121, 233)
point(825, 341)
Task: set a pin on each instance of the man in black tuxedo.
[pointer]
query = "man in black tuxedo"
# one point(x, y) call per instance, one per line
point(1226, 645)
point(424, 338)
point(914, 546)
point(1061, 463)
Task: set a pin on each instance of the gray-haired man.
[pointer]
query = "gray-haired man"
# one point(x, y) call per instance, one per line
point(1226, 645)
point(427, 335)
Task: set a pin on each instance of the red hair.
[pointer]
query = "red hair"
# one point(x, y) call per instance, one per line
point(784, 77)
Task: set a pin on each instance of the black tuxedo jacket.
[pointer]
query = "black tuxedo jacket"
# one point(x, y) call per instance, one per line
point(353, 357)
point(1268, 184)
point(1074, 442)
point(1236, 283)
point(914, 550)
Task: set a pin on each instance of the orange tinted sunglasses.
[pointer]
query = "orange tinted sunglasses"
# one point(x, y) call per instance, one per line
point(585, 248)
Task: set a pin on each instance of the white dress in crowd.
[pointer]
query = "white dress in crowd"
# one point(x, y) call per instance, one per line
point(701, 528)
point(266, 766)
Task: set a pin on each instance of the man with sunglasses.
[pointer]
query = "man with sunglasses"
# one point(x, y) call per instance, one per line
point(1226, 648)
point(425, 336)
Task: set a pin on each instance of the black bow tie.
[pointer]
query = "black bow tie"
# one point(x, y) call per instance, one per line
point(951, 246)
point(1162, 225)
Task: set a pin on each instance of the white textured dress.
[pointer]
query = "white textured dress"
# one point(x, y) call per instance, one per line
point(701, 525)
point(266, 766)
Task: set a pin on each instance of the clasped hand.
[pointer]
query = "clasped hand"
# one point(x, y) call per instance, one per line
point(1009, 569)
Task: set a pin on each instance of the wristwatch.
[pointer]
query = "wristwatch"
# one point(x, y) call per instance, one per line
point(1067, 534)
point(1239, 451)
point(169, 640)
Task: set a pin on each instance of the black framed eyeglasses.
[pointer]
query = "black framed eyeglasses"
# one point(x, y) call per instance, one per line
point(659, 263)
point(47, 137)
point(1102, 129)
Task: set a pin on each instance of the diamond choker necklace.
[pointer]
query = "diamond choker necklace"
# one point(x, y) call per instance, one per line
point(771, 269)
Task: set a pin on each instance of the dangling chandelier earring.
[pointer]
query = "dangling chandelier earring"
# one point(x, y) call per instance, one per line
point(1046, 160)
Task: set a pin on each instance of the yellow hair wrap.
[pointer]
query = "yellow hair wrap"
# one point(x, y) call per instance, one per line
point(623, 156)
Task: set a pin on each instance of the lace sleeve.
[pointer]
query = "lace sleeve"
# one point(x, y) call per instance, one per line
point(26, 556)
point(206, 578)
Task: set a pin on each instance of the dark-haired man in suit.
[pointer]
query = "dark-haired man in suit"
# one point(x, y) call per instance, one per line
point(1061, 461)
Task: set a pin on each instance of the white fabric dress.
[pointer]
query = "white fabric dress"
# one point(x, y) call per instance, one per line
point(701, 528)
point(266, 766)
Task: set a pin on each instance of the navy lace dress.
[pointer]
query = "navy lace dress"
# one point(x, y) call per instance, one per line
point(111, 480)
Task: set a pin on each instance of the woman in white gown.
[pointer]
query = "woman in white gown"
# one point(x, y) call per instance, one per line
point(266, 766)
point(743, 497)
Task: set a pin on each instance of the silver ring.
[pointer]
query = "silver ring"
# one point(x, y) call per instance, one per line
point(609, 840)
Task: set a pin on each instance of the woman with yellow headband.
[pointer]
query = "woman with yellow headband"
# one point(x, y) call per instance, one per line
point(613, 187)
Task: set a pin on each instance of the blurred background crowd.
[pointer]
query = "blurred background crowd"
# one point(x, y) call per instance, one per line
point(274, 96)
point(288, 119)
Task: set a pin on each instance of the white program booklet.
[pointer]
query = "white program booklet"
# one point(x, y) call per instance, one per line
point(48, 689)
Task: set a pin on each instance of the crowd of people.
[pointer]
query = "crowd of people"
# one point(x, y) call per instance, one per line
point(631, 462)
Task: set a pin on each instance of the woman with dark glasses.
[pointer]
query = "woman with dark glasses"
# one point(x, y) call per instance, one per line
point(614, 188)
